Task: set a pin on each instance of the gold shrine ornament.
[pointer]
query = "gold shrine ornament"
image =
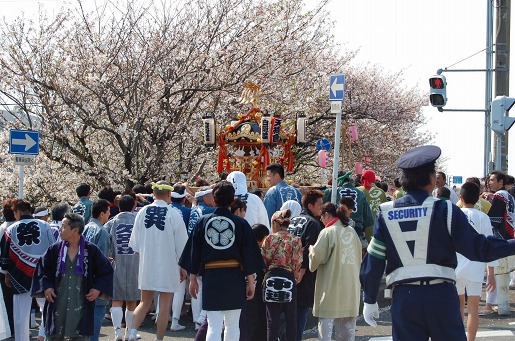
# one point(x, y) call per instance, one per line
point(250, 94)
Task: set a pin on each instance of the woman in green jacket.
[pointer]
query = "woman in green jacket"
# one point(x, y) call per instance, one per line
point(337, 257)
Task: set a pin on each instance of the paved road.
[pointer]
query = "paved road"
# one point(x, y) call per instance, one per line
point(492, 327)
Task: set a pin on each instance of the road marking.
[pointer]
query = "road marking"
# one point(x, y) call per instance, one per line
point(485, 333)
point(493, 333)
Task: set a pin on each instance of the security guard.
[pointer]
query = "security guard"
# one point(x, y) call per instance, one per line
point(416, 238)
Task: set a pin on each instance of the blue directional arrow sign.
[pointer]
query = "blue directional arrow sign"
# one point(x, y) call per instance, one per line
point(323, 144)
point(24, 142)
point(336, 87)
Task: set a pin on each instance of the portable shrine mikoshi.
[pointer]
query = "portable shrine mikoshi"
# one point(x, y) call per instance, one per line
point(255, 140)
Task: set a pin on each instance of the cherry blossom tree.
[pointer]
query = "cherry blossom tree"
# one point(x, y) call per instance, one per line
point(117, 92)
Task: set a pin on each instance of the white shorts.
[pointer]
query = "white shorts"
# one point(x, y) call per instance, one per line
point(473, 288)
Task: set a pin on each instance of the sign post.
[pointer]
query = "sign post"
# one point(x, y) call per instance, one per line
point(336, 95)
point(20, 182)
point(25, 145)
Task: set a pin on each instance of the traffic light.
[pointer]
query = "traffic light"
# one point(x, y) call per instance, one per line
point(498, 121)
point(438, 91)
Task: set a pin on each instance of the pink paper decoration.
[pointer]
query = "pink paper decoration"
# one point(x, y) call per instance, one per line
point(359, 168)
point(353, 132)
point(322, 158)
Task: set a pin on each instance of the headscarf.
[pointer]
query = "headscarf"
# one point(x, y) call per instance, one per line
point(162, 187)
point(368, 178)
point(293, 206)
point(239, 182)
point(40, 212)
point(176, 195)
point(201, 193)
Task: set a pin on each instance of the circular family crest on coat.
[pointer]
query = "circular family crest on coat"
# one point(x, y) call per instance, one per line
point(220, 232)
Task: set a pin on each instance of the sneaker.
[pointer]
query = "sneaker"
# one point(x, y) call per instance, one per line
point(118, 335)
point(127, 336)
point(175, 327)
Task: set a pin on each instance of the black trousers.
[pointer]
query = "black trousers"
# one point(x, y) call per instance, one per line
point(256, 313)
point(273, 319)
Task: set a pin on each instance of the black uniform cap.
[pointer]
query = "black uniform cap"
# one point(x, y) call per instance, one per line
point(419, 157)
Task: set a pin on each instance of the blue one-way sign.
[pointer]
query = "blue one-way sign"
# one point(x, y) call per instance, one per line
point(337, 87)
point(24, 142)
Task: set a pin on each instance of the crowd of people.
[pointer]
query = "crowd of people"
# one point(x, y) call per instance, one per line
point(247, 258)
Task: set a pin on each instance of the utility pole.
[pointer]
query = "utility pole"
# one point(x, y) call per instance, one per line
point(502, 88)
point(487, 155)
point(502, 68)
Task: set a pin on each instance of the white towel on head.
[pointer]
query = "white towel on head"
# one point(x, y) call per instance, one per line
point(294, 207)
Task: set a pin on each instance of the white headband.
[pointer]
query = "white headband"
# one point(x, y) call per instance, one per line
point(41, 213)
point(178, 196)
point(199, 194)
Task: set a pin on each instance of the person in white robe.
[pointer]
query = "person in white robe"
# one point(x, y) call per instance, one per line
point(256, 211)
point(158, 236)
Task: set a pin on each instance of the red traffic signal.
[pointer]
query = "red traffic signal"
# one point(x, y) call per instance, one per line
point(436, 83)
point(437, 91)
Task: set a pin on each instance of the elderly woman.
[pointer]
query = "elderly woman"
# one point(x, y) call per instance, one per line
point(282, 253)
point(337, 256)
